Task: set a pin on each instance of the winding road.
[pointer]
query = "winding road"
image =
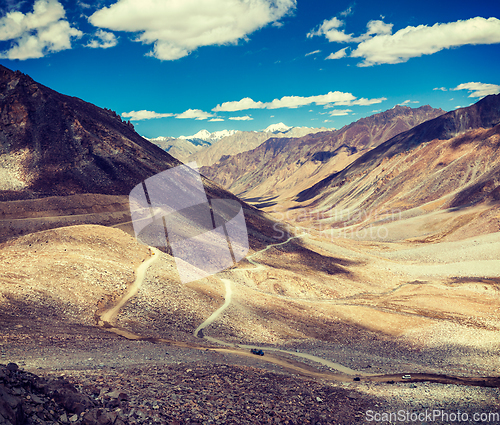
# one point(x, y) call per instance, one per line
point(227, 302)
point(217, 313)
point(105, 320)
point(108, 316)
point(229, 291)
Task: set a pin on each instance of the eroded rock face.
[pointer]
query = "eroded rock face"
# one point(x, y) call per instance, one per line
point(473, 129)
point(52, 144)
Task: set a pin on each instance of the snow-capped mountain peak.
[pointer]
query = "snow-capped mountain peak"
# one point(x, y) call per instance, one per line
point(202, 134)
point(277, 128)
point(222, 133)
point(207, 136)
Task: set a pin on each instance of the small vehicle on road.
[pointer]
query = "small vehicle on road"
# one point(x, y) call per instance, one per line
point(257, 352)
point(406, 376)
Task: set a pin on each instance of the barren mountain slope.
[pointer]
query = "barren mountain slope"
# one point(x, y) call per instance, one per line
point(243, 141)
point(280, 165)
point(342, 301)
point(64, 162)
point(449, 163)
point(52, 144)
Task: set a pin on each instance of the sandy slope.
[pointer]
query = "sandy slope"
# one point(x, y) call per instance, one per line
point(312, 292)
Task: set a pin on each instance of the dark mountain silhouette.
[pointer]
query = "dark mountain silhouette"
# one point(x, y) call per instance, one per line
point(53, 144)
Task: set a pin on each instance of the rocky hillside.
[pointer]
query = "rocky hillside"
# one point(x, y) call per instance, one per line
point(280, 166)
point(52, 144)
point(450, 162)
point(84, 159)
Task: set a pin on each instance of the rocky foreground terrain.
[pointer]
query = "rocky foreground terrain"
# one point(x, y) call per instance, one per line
point(76, 372)
point(173, 394)
point(189, 388)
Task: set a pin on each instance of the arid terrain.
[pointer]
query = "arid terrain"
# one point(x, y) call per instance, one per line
point(372, 289)
point(324, 312)
point(281, 167)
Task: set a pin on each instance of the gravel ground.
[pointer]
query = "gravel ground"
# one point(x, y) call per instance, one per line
point(223, 393)
point(179, 385)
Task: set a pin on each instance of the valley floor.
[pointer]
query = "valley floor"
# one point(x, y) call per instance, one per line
point(378, 309)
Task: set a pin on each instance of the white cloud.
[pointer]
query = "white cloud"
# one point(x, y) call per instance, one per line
point(336, 97)
point(338, 55)
point(103, 39)
point(176, 28)
point(240, 105)
point(330, 29)
point(409, 101)
point(412, 42)
point(38, 33)
point(329, 100)
point(378, 45)
point(339, 112)
point(377, 28)
point(196, 114)
point(347, 12)
point(216, 119)
point(144, 115)
point(245, 118)
point(366, 102)
point(479, 89)
point(440, 88)
point(313, 53)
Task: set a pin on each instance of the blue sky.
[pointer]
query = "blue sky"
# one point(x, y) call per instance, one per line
point(175, 67)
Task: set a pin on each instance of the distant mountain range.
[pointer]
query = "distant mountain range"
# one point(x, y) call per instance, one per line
point(416, 173)
point(279, 168)
point(76, 163)
point(206, 148)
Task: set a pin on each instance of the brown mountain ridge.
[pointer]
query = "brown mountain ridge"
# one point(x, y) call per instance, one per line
point(484, 114)
point(445, 165)
point(64, 161)
point(52, 144)
point(277, 167)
